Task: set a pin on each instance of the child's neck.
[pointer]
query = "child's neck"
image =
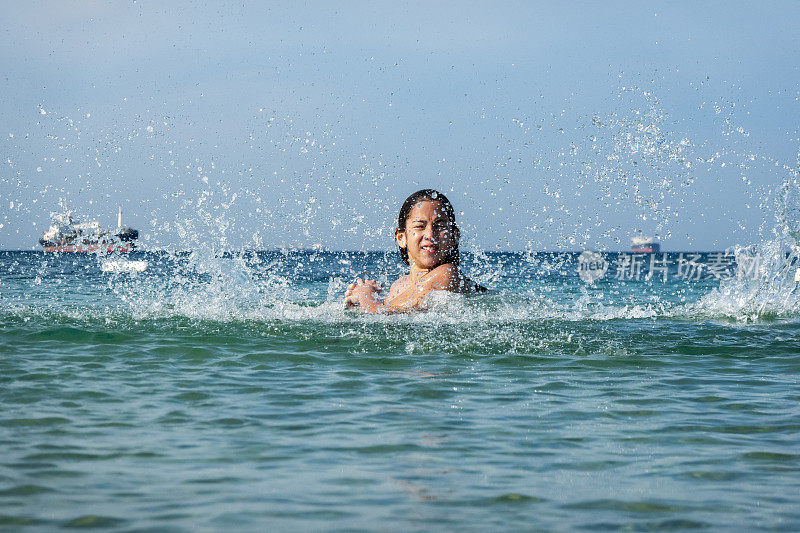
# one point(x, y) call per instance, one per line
point(417, 271)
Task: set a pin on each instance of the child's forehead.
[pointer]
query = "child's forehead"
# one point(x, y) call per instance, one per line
point(426, 205)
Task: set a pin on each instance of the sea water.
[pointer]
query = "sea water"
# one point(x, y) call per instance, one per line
point(233, 391)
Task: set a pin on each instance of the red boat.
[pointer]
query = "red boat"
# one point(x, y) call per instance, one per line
point(70, 236)
point(89, 248)
point(644, 245)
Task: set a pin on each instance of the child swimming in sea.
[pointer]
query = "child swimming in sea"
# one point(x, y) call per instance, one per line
point(427, 237)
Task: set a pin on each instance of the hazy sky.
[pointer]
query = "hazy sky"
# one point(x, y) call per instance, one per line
point(550, 125)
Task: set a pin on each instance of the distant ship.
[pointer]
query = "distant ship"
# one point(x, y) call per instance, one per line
point(67, 235)
point(644, 245)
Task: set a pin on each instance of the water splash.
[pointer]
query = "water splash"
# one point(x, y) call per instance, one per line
point(774, 292)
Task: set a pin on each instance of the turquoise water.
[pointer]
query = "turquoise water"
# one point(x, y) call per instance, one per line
point(232, 391)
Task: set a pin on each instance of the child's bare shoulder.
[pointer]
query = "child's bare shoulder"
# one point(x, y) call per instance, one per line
point(398, 285)
point(443, 277)
point(449, 277)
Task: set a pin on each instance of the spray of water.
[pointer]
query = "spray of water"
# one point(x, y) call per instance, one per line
point(774, 291)
point(633, 158)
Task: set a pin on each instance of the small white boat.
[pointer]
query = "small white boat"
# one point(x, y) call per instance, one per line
point(123, 265)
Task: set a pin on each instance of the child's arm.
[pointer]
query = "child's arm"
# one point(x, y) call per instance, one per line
point(442, 278)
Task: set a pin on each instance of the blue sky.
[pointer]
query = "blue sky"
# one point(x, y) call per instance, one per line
point(549, 125)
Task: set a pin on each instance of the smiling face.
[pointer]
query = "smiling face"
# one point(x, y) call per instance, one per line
point(429, 236)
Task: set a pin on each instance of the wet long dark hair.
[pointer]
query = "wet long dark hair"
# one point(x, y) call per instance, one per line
point(433, 195)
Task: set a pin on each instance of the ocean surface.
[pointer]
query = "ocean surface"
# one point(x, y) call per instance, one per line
point(233, 392)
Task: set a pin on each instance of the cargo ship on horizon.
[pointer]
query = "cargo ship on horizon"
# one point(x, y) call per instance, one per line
point(68, 235)
point(641, 244)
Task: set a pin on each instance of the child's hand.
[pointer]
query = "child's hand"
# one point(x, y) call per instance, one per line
point(348, 296)
point(359, 291)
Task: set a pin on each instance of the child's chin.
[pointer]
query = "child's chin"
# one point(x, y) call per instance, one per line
point(429, 262)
